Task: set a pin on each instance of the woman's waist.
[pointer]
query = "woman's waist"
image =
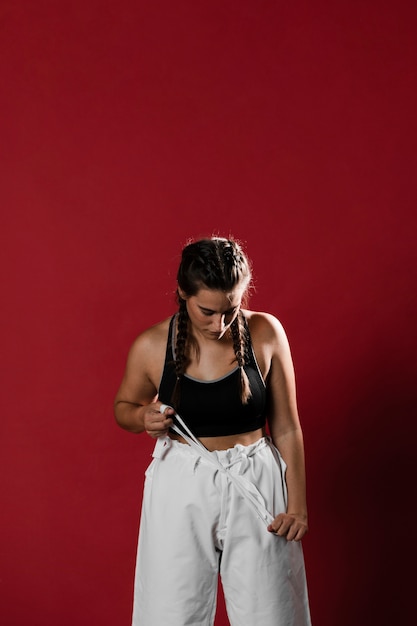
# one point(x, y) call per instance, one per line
point(224, 442)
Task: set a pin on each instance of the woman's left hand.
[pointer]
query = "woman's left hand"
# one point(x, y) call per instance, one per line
point(289, 525)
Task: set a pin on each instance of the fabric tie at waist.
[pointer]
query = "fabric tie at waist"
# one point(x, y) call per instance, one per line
point(247, 489)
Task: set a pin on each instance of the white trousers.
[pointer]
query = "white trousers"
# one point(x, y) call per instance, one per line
point(195, 524)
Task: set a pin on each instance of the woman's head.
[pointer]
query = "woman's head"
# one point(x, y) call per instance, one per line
point(213, 277)
point(215, 263)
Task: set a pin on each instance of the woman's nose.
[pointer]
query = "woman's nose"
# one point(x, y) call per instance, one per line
point(218, 322)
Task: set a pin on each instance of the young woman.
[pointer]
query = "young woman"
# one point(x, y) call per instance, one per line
point(237, 507)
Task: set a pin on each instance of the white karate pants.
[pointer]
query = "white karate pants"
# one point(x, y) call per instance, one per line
point(195, 524)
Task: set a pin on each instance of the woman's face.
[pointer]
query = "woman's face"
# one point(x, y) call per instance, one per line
point(212, 311)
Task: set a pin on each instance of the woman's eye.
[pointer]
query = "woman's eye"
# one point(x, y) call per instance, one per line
point(227, 314)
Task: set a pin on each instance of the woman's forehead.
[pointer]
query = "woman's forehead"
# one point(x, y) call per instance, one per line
point(217, 299)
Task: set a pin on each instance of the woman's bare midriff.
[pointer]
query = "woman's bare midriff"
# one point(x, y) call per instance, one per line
point(223, 443)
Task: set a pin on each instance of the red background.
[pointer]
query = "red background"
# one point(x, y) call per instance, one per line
point(128, 127)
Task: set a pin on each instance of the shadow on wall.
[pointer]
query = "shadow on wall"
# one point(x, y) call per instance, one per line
point(366, 502)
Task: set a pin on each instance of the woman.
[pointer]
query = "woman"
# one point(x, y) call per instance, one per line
point(227, 372)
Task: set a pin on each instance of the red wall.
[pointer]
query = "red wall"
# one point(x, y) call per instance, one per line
point(127, 127)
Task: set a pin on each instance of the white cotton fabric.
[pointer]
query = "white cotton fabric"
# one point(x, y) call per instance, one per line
point(195, 523)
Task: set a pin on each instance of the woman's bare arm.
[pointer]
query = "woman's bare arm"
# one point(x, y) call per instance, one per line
point(136, 408)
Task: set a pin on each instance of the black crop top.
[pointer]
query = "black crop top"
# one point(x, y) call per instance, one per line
point(214, 408)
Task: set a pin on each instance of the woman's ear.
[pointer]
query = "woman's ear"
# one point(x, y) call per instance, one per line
point(182, 293)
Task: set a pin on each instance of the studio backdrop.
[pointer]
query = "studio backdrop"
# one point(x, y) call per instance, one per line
point(129, 127)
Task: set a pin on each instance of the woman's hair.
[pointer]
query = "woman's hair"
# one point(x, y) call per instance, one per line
point(214, 263)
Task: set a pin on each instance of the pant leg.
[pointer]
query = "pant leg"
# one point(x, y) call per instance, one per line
point(177, 562)
point(263, 575)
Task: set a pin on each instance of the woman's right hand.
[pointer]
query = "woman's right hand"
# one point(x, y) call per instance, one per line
point(157, 424)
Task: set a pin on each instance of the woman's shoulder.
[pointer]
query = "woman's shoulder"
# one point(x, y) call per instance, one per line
point(153, 339)
point(146, 356)
point(268, 338)
point(263, 325)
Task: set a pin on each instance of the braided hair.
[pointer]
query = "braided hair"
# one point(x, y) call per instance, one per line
point(220, 264)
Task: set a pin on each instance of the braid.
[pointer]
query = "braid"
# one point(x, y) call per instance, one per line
point(216, 263)
point(181, 358)
point(240, 346)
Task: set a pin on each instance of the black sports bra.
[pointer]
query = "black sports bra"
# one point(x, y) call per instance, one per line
point(214, 408)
